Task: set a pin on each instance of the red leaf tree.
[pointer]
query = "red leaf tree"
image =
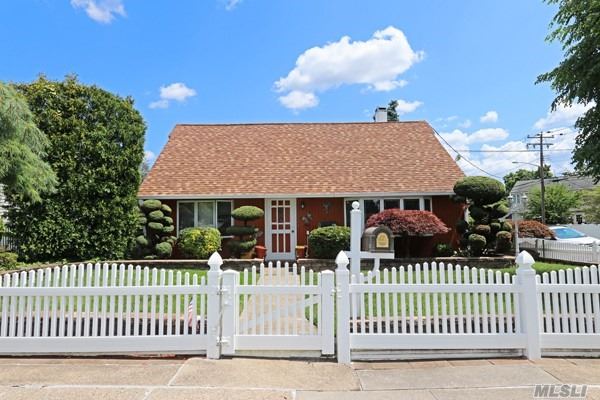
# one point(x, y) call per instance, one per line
point(408, 223)
point(534, 229)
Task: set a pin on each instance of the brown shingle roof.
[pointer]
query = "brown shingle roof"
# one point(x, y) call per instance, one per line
point(301, 159)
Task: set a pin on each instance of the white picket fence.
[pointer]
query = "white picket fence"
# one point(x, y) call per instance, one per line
point(286, 310)
point(561, 251)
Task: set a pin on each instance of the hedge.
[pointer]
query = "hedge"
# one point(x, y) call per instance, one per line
point(327, 242)
point(199, 243)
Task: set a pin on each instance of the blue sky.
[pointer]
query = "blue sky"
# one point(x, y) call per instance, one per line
point(468, 67)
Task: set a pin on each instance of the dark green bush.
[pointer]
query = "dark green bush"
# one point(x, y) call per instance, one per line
point(166, 209)
point(478, 214)
point(241, 230)
point(168, 229)
point(483, 230)
point(462, 226)
point(241, 246)
point(443, 250)
point(327, 242)
point(477, 244)
point(151, 205)
point(8, 260)
point(155, 226)
point(481, 190)
point(167, 221)
point(141, 240)
point(247, 213)
point(503, 241)
point(498, 210)
point(163, 249)
point(199, 243)
point(495, 226)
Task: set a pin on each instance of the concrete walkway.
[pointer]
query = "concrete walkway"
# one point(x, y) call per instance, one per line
point(198, 378)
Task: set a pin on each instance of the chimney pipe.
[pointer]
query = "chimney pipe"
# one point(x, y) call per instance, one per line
point(380, 114)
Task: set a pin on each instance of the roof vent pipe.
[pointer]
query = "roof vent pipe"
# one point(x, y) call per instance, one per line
point(380, 114)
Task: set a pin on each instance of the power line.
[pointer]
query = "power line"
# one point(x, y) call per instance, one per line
point(511, 151)
point(540, 145)
point(465, 158)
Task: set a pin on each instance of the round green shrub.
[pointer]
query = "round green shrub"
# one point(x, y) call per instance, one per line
point(166, 209)
point(443, 250)
point(495, 226)
point(477, 244)
point(167, 221)
point(499, 210)
point(483, 230)
point(327, 242)
point(247, 213)
point(506, 226)
point(156, 216)
point(8, 260)
point(199, 243)
point(168, 229)
point(151, 205)
point(462, 226)
point(163, 249)
point(241, 230)
point(142, 220)
point(241, 246)
point(503, 241)
point(481, 190)
point(478, 214)
point(155, 226)
point(141, 241)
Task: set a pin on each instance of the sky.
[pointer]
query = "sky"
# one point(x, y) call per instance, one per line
point(467, 67)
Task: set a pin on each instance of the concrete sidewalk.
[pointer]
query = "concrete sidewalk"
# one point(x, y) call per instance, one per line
point(198, 378)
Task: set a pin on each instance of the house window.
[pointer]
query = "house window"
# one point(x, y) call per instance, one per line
point(373, 206)
point(213, 213)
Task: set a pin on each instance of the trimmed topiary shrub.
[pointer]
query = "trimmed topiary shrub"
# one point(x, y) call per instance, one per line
point(483, 230)
point(199, 243)
point(495, 227)
point(246, 234)
point(478, 214)
point(328, 241)
point(503, 241)
point(477, 244)
point(462, 226)
point(506, 226)
point(481, 190)
point(8, 260)
point(155, 228)
point(443, 250)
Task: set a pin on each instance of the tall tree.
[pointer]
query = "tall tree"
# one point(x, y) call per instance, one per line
point(559, 201)
point(392, 114)
point(590, 205)
point(576, 79)
point(96, 148)
point(23, 172)
point(524, 175)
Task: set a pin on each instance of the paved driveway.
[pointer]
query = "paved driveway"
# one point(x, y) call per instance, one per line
point(198, 378)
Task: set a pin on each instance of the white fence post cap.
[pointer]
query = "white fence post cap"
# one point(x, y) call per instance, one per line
point(215, 261)
point(525, 260)
point(342, 260)
point(355, 205)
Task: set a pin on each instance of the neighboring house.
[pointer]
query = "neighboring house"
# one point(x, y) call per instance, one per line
point(304, 175)
point(573, 183)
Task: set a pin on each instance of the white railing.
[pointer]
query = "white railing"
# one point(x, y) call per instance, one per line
point(561, 251)
point(101, 308)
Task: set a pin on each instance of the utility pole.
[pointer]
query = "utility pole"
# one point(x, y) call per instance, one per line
point(540, 138)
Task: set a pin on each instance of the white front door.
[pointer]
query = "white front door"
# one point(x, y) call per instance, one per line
point(280, 222)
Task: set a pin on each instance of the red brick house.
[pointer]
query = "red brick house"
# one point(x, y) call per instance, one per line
point(304, 175)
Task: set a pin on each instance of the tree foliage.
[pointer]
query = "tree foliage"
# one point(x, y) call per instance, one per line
point(392, 114)
point(524, 175)
point(480, 190)
point(576, 79)
point(23, 171)
point(559, 201)
point(590, 204)
point(408, 222)
point(96, 147)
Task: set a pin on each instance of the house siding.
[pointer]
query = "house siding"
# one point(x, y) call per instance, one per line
point(316, 212)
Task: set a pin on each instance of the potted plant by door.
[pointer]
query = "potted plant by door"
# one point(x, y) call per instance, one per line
point(243, 245)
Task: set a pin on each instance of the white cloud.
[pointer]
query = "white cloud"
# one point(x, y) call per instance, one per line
point(562, 116)
point(461, 140)
point(490, 116)
point(298, 100)
point(103, 11)
point(231, 4)
point(377, 62)
point(405, 107)
point(465, 124)
point(174, 92)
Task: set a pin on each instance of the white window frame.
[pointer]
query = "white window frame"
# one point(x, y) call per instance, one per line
point(361, 201)
point(196, 202)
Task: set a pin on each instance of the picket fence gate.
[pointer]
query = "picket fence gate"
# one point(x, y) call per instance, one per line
point(282, 309)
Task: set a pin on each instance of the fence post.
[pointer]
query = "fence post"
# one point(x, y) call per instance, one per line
point(327, 317)
point(230, 310)
point(596, 253)
point(355, 234)
point(342, 277)
point(529, 313)
point(213, 306)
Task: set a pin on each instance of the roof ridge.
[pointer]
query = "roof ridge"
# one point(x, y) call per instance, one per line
point(297, 123)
